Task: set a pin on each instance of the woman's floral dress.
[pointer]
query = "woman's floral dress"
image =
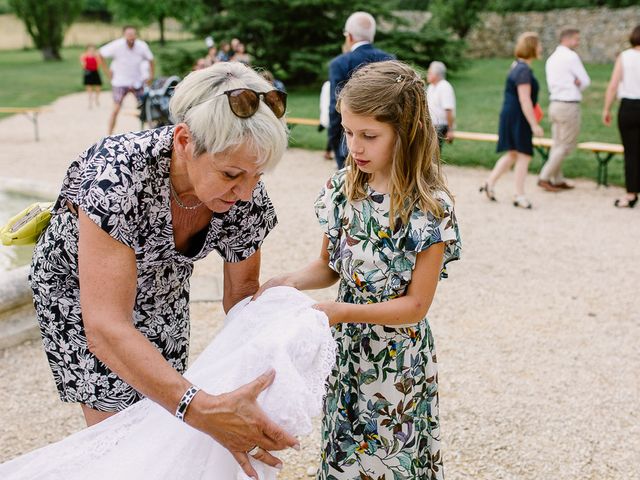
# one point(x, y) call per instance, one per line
point(122, 183)
point(381, 411)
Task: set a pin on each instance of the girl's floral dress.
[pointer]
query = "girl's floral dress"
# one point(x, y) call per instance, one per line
point(381, 411)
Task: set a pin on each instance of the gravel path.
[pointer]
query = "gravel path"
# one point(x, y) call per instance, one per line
point(537, 328)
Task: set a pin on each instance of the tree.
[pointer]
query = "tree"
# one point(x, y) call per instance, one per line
point(295, 39)
point(47, 21)
point(146, 12)
point(458, 15)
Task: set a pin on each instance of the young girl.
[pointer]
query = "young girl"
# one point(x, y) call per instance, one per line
point(390, 229)
point(90, 62)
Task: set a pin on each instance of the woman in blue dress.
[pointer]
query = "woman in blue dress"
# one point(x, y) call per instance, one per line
point(518, 122)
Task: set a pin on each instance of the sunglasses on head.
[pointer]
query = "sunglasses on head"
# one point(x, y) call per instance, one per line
point(244, 102)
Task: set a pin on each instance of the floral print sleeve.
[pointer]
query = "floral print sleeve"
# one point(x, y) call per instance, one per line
point(246, 226)
point(329, 207)
point(425, 229)
point(107, 191)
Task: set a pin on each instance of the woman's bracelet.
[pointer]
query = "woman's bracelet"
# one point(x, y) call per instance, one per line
point(184, 402)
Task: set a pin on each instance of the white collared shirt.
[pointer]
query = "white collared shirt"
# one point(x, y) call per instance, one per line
point(127, 62)
point(563, 67)
point(358, 44)
point(440, 98)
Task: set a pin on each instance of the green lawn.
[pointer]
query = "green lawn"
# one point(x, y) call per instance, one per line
point(479, 90)
point(28, 81)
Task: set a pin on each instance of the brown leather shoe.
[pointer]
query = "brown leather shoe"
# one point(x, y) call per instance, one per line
point(548, 186)
point(563, 186)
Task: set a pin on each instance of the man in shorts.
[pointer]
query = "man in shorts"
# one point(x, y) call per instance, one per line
point(128, 55)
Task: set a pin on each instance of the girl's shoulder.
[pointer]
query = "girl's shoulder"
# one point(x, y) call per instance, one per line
point(421, 220)
point(336, 181)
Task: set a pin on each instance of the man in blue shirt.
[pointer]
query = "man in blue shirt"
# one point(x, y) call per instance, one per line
point(359, 31)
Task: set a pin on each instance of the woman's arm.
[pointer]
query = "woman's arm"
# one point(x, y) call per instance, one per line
point(317, 274)
point(241, 280)
point(108, 282)
point(410, 308)
point(612, 89)
point(524, 96)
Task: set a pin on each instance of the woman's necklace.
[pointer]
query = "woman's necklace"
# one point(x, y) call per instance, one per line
point(179, 202)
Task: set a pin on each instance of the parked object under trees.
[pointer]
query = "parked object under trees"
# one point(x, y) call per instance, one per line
point(47, 21)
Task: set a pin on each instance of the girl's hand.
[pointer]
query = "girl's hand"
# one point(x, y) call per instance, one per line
point(282, 280)
point(333, 310)
point(606, 117)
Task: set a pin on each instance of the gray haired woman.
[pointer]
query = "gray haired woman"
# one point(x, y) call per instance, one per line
point(110, 275)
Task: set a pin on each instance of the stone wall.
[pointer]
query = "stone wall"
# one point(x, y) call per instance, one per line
point(604, 31)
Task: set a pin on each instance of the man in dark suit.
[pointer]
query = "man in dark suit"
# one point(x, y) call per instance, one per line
point(359, 31)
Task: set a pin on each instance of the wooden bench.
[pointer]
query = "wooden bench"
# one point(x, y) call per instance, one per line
point(604, 152)
point(30, 112)
point(540, 144)
point(293, 121)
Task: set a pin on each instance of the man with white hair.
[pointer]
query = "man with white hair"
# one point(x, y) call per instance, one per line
point(359, 32)
point(441, 101)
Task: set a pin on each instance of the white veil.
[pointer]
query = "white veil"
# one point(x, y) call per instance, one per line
point(279, 330)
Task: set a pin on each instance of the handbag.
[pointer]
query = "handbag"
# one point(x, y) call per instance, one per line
point(25, 227)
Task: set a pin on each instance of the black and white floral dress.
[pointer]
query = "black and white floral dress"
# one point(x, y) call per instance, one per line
point(122, 184)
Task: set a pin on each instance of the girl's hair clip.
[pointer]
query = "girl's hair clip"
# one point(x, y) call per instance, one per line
point(399, 78)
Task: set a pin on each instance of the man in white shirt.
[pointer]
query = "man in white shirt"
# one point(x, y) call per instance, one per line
point(566, 79)
point(441, 101)
point(128, 55)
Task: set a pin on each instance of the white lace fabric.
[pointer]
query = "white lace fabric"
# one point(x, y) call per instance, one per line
point(279, 330)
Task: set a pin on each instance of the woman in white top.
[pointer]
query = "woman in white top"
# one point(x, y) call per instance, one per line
point(625, 81)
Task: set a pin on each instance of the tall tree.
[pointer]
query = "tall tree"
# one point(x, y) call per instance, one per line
point(296, 38)
point(458, 15)
point(47, 21)
point(146, 12)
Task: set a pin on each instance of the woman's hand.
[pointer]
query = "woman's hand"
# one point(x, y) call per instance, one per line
point(537, 130)
point(236, 421)
point(606, 117)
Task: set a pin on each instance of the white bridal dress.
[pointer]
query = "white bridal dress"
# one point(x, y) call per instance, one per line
point(279, 330)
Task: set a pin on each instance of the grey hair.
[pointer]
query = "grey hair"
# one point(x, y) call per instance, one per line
point(361, 26)
point(199, 101)
point(439, 69)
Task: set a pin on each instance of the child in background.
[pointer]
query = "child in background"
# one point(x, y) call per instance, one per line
point(390, 228)
point(90, 62)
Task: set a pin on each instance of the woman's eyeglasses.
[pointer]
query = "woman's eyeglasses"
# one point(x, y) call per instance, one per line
point(244, 102)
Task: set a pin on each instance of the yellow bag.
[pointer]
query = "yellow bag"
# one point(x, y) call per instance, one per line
point(26, 227)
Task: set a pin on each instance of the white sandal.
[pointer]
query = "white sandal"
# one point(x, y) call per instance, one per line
point(522, 202)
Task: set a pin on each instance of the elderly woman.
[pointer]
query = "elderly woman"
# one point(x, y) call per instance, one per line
point(110, 275)
point(518, 123)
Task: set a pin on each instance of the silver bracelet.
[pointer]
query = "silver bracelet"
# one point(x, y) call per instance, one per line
point(184, 402)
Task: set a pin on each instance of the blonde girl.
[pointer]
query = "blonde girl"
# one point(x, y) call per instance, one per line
point(389, 228)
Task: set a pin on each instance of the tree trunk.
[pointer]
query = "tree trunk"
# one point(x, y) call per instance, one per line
point(51, 53)
point(161, 25)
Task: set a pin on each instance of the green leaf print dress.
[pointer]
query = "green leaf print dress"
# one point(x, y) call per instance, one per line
point(381, 410)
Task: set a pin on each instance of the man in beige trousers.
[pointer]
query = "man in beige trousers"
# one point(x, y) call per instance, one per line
point(566, 79)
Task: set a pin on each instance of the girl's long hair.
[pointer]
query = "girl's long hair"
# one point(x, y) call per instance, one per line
point(393, 93)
